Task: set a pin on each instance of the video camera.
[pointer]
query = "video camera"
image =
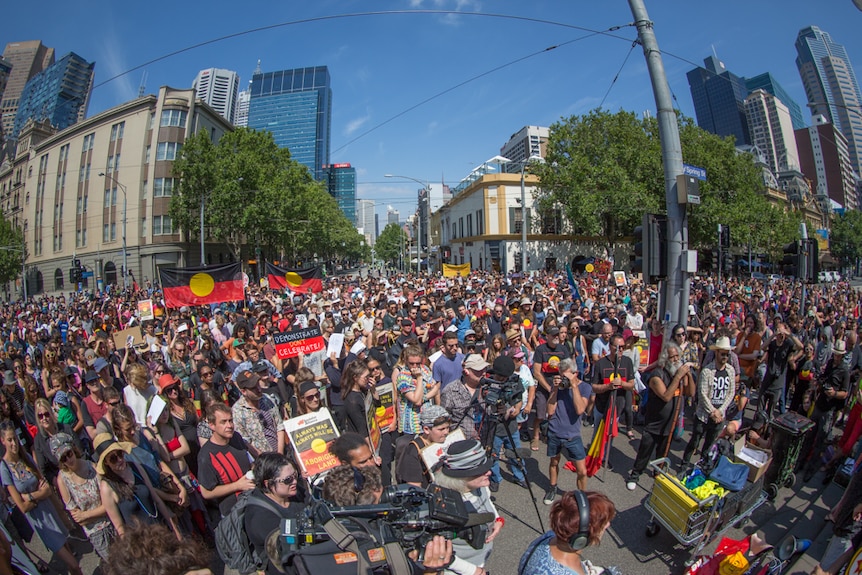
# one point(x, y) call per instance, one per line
point(406, 514)
point(498, 393)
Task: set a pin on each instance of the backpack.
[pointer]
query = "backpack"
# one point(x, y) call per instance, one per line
point(231, 540)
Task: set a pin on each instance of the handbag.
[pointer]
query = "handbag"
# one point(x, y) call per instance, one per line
point(731, 476)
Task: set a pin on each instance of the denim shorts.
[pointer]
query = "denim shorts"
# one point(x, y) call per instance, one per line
point(573, 448)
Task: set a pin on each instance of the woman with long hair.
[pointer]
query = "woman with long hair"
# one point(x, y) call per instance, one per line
point(183, 412)
point(304, 379)
point(559, 550)
point(78, 484)
point(50, 360)
point(32, 392)
point(139, 391)
point(126, 491)
point(48, 427)
point(31, 493)
point(497, 347)
point(355, 385)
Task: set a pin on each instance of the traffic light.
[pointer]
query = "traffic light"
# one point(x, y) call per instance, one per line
point(790, 263)
point(727, 262)
point(811, 253)
point(73, 275)
point(650, 248)
point(713, 258)
point(725, 237)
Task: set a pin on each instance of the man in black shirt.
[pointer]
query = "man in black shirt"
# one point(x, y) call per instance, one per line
point(834, 389)
point(409, 465)
point(223, 462)
point(613, 375)
point(546, 367)
point(664, 387)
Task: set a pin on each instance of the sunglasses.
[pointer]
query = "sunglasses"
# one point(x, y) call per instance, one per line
point(66, 456)
point(312, 397)
point(43, 415)
point(113, 457)
point(289, 480)
point(113, 403)
point(172, 389)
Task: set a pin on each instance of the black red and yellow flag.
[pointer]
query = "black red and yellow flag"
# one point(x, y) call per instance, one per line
point(202, 285)
point(309, 280)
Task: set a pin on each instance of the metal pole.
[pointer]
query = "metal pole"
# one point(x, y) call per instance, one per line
point(125, 260)
point(523, 223)
point(203, 261)
point(677, 288)
point(419, 236)
point(24, 271)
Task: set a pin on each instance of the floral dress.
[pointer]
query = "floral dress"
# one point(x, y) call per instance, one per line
point(84, 497)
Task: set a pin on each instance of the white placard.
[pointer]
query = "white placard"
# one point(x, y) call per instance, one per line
point(336, 344)
point(157, 406)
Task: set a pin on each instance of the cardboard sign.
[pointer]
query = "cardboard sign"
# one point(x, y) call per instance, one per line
point(145, 310)
point(289, 344)
point(122, 337)
point(620, 279)
point(432, 454)
point(310, 436)
point(374, 435)
point(385, 414)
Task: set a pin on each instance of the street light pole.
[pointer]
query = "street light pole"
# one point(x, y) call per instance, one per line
point(203, 261)
point(524, 165)
point(427, 189)
point(125, 262)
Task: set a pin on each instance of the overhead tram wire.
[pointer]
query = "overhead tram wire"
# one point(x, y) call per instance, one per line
point(218, 39)
point(614, 81)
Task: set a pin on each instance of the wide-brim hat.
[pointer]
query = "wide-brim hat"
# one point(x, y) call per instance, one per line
point(722, 343)
point(840, 347)
point(465, 458)
point(105, 444)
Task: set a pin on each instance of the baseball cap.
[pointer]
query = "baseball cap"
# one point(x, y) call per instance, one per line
point(247, 380)
point(475, 362)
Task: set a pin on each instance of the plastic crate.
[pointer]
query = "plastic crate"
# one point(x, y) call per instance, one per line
point(677, 506)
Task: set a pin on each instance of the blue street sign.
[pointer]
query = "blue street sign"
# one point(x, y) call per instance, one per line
point(87, 274)
point(694, 171)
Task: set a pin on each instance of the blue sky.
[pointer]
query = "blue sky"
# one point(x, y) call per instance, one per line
point(382, 65)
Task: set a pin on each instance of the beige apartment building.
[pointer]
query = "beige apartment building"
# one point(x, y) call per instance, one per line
point(70, 192)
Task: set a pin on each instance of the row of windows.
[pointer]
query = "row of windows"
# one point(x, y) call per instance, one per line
point(113, 164)
point(117, 131)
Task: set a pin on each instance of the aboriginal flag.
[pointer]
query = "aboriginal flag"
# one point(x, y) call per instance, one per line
point(307, 280)
point(202, 285)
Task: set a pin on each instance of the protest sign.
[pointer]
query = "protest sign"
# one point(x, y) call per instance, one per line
point(432, 454)
point(145, 310)
point(643, 345)
point(620, 279)
point(132, 334)
point(311, 435)
point(336, 343)
point(371, 421)
point(289, 344)
point(385, 414)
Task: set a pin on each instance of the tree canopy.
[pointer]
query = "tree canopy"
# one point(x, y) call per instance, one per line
point(11, 254)
point(390, 243)
point(255, 194)
point(605, 171)
point(845, 239)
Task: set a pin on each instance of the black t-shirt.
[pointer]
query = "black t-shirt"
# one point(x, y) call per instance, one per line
point(720, 387)
point(777, 362)
point(603, 373)
point(409, 467)
point(222, 465)
point(838, 378)
point(260, 522)
point(549, 358)
point(354, 414)
point(658, 414)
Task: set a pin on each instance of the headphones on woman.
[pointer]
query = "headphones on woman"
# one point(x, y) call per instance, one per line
point(581, 539)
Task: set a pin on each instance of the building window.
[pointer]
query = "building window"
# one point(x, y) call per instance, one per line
point(152, 121)
point(175, 118)
point(460, 227)
point(480, 222)
point(143, 227)
point(162, 226)
point(117, 131)
point(147, 155)
point(88, 142)
point(113, 231)
point(454, 231)
point(104, 233)
point(552, 222)
point(163, 187)
point(168, 150)
point(144, 186)
point(114, 197)
point(469, 225)
point(515, 221)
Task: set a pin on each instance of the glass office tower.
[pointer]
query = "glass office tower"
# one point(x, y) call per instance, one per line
point(296, 106)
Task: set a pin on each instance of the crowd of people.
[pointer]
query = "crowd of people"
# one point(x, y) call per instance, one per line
point(84, 455)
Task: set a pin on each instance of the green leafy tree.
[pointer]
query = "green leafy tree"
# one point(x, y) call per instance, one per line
point(606, 171)
point(390, 243)
point(11, 255)
point(845, 239)
point(255, 194)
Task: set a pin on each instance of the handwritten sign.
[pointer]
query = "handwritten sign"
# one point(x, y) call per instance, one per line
point(311, 435)
point(289, 344)
point(374, 435)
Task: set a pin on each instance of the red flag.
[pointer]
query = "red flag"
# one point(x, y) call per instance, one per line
point(307, 280)
point(202, 285)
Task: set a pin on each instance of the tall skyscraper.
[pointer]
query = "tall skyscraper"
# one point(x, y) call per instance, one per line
point(242, 101)
point(341, 183)
point(27, 59)
point(60, 94)
point(526, 142)
point(831, 86)
point(392, 216)
point(771, 130)
point(825, 160)
point(365, 219)
point(767, 82)
point(219, 89)
point(296, 106)
point(719, 97)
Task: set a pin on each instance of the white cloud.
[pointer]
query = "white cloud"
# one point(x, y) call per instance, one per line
point(113, 63)
point(355, 124)
point(455, 5)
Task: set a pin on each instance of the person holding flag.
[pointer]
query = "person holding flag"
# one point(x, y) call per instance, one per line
point(613, 375)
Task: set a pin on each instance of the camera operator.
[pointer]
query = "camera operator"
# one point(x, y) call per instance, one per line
point(506, 426)
point(275, 481)
point(347, 486)
point(410, 468)
point(568, 401)
point(459, 397)
point(466, 468)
